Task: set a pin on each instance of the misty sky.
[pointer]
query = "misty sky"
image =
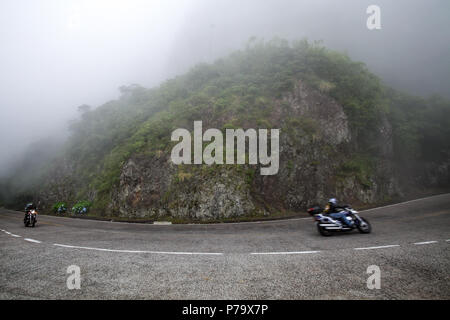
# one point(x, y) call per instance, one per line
point(58, 54)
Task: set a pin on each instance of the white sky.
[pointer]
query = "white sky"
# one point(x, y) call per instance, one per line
point(56, 55)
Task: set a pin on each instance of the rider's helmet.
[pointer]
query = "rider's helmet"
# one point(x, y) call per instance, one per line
point(332, 201)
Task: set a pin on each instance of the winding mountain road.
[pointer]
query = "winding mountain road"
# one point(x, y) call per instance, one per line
point(284, 259)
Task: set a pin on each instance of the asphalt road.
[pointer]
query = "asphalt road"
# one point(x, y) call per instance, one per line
point(284, 259)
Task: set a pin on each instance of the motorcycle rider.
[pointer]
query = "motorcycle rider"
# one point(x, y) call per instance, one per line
point(332, 210)
point(29, 207)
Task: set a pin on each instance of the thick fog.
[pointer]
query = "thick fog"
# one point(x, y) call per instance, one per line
point(56, 55)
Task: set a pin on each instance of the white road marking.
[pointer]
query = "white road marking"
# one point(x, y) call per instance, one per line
point(379, 247)
point(289, 252)
point(138, 251)
point(32, 240)
point(425, 242)
point(214, 253)
point(161, 223)
point(405, 202)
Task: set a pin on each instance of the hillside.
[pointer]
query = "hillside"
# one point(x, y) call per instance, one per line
point(343, 133)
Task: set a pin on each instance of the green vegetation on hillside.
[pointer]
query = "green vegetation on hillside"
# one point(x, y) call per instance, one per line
point(239, 88)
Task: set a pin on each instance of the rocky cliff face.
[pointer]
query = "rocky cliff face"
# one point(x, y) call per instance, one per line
point(155, 187)
point(315, 144)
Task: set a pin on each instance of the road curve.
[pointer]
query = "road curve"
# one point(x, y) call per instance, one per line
point(285, 259)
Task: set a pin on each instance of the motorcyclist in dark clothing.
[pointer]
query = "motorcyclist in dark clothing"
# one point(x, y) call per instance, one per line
point(28, 208)
point(332, 209)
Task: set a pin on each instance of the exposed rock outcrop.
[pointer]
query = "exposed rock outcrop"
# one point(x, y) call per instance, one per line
point(314, 136)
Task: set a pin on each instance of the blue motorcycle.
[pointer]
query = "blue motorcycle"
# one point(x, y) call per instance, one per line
point(326, 225)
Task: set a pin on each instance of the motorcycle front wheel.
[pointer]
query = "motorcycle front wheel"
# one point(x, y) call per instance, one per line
point(367, 228)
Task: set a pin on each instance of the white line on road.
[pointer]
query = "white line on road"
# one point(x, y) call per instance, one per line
point(15, 235)
point(379, 247)
point(290, 252)
point(32, 240)
point(137, 251)
point(405, 202)
point(425, 242)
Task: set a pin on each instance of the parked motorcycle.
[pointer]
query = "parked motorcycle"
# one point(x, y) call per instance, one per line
point(30, 218)
point(326, 225)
